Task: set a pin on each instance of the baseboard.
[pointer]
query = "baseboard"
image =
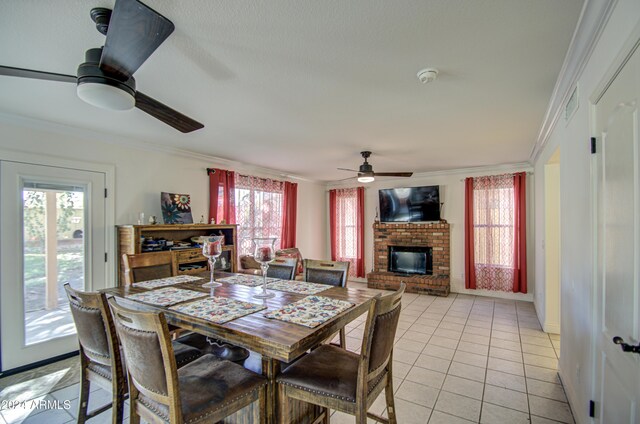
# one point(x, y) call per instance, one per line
point(551, 327)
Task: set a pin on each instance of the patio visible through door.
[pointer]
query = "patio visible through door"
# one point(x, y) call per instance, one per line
point(53, 232)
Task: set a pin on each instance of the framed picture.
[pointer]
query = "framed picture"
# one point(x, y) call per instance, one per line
point(176, 208)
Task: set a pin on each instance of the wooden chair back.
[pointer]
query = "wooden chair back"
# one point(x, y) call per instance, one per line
point(283, 268)
point(151, 364)
point(100, 358)
point(147, 266)
point(334, 273)
point(377, 343)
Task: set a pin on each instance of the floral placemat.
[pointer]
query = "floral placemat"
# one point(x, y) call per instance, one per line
point(218, 309)
point(310, 311)
point(169, 281)
point(165, 297)
point(301, 287)
point(246, 280)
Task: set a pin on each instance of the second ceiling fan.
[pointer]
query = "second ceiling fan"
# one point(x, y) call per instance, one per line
point(366, 174)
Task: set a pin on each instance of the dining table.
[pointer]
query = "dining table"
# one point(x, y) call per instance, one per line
point(263, 330)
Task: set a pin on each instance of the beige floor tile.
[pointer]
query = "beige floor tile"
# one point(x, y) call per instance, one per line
point(506, 344)
point(546, 390)
point(419, 334)
point(426, 377)
point(460, 406)
point(494, 414)
point(405, 356)
point(503, 335)
point(438, 351)
point(539, 420)
point(552, 409)
point(400, 369)
point(447, 325)
point(538, 350)
point(458, 320)
point(444, 342)
point(506, 381)
point(417, 393)
point(538, 341)
point(451, 334)
point(479, 324)
point(467, 371)
point(544, 374)
point(507, 398)
point(411, 413)
point(509, 367)
point(509, 355)
point(528, 332)
point(477, 331)
point(433, 363)
point(470, 359)
point(475, 338)
point(478, 348)
point(540, 361)
point(463, 386)
point(438, 417)
point(409, 345)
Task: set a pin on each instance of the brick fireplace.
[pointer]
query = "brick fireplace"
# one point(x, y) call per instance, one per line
point(410, 235)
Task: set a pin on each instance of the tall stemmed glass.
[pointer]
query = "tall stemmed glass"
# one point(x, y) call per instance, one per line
point(264, 252)
point(212, 248)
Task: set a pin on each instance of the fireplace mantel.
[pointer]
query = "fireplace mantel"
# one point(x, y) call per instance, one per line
point(434, 235)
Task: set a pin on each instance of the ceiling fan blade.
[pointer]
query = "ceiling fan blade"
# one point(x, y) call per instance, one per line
point(30, 73)
point(347, 169)
point(167, 115)
point(135, 32)
point(393, 174)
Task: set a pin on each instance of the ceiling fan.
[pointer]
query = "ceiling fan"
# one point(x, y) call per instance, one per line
point(366, 174)
point(134, 31)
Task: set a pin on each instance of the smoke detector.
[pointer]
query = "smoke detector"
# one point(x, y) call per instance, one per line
point(427, 75)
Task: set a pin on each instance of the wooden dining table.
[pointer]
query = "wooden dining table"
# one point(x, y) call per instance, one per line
point(278, 342)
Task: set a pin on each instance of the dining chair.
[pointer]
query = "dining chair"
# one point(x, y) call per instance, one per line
point(283, 268)
point(147, 266)
point(334, 273)
point(334, 378)
point(100, 356)
point(205, 391)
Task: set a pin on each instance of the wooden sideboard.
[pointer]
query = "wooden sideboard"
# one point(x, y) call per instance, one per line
point(130, 241)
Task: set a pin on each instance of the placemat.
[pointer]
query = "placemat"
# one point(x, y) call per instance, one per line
point(310, 311)
point(218, 309)
point(166, 297)
point(169, 281)
point(246, 280)
point(301, 287)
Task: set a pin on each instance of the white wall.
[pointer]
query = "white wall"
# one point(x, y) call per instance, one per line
point(551, 285)
point(452, 194)
point(576, 365)
point(141, 173)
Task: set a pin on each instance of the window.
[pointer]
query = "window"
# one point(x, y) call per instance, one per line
point(346, 209)
point(258, 210)
point(495, 233)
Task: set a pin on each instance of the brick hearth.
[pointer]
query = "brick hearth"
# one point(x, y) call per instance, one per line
point(431, 235)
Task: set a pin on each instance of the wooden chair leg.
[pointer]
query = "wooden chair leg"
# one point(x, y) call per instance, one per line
point(83, 402)
point(327, 416)
point(343, 338)
point(283, 406)
point(391, 404)
point(118, 409)
point(134, 418)
point(262, 405)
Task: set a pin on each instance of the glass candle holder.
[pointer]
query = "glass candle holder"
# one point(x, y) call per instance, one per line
point(264, 252)
point(212, 249)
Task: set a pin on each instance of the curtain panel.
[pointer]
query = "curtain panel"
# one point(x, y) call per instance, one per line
point(222, 192)
point(346, 216)
point(289, 214)
point(495, 233)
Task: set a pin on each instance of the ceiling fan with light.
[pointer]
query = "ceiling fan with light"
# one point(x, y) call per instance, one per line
point(134, 31)
point(366, 174)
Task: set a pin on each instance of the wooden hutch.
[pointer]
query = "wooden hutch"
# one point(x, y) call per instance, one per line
point(187, 260)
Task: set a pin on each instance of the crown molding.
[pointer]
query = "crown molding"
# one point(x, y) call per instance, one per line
point(593, 18)
point(110, 138)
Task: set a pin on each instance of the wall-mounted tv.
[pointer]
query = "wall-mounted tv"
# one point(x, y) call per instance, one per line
point(411, 204)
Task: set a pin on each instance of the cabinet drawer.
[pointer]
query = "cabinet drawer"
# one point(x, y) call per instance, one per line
point(189, 255)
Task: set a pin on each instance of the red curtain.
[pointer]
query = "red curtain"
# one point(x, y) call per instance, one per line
point(520, 244)
point(469, 245)
point(289, 215)
point(346, 219)
point(222, 191)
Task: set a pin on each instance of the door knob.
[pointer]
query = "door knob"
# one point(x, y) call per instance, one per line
point(626, 347)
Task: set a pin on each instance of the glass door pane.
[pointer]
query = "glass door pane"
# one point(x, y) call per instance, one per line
point(54, 254)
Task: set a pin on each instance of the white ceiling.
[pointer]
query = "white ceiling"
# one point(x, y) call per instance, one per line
point(303, 86)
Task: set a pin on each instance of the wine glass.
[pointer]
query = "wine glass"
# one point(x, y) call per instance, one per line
point(264, 252)
point(212, 248)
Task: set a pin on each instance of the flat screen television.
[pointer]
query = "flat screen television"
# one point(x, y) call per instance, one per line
point(411, 204)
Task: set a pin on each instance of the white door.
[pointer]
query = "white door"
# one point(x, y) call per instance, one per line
point(52, 231)
point(618, 211)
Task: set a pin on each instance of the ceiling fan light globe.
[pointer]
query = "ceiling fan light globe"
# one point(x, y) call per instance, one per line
point(366, 179)
point(105, 96)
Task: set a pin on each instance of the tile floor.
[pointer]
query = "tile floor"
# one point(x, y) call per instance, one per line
point(460, 359)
